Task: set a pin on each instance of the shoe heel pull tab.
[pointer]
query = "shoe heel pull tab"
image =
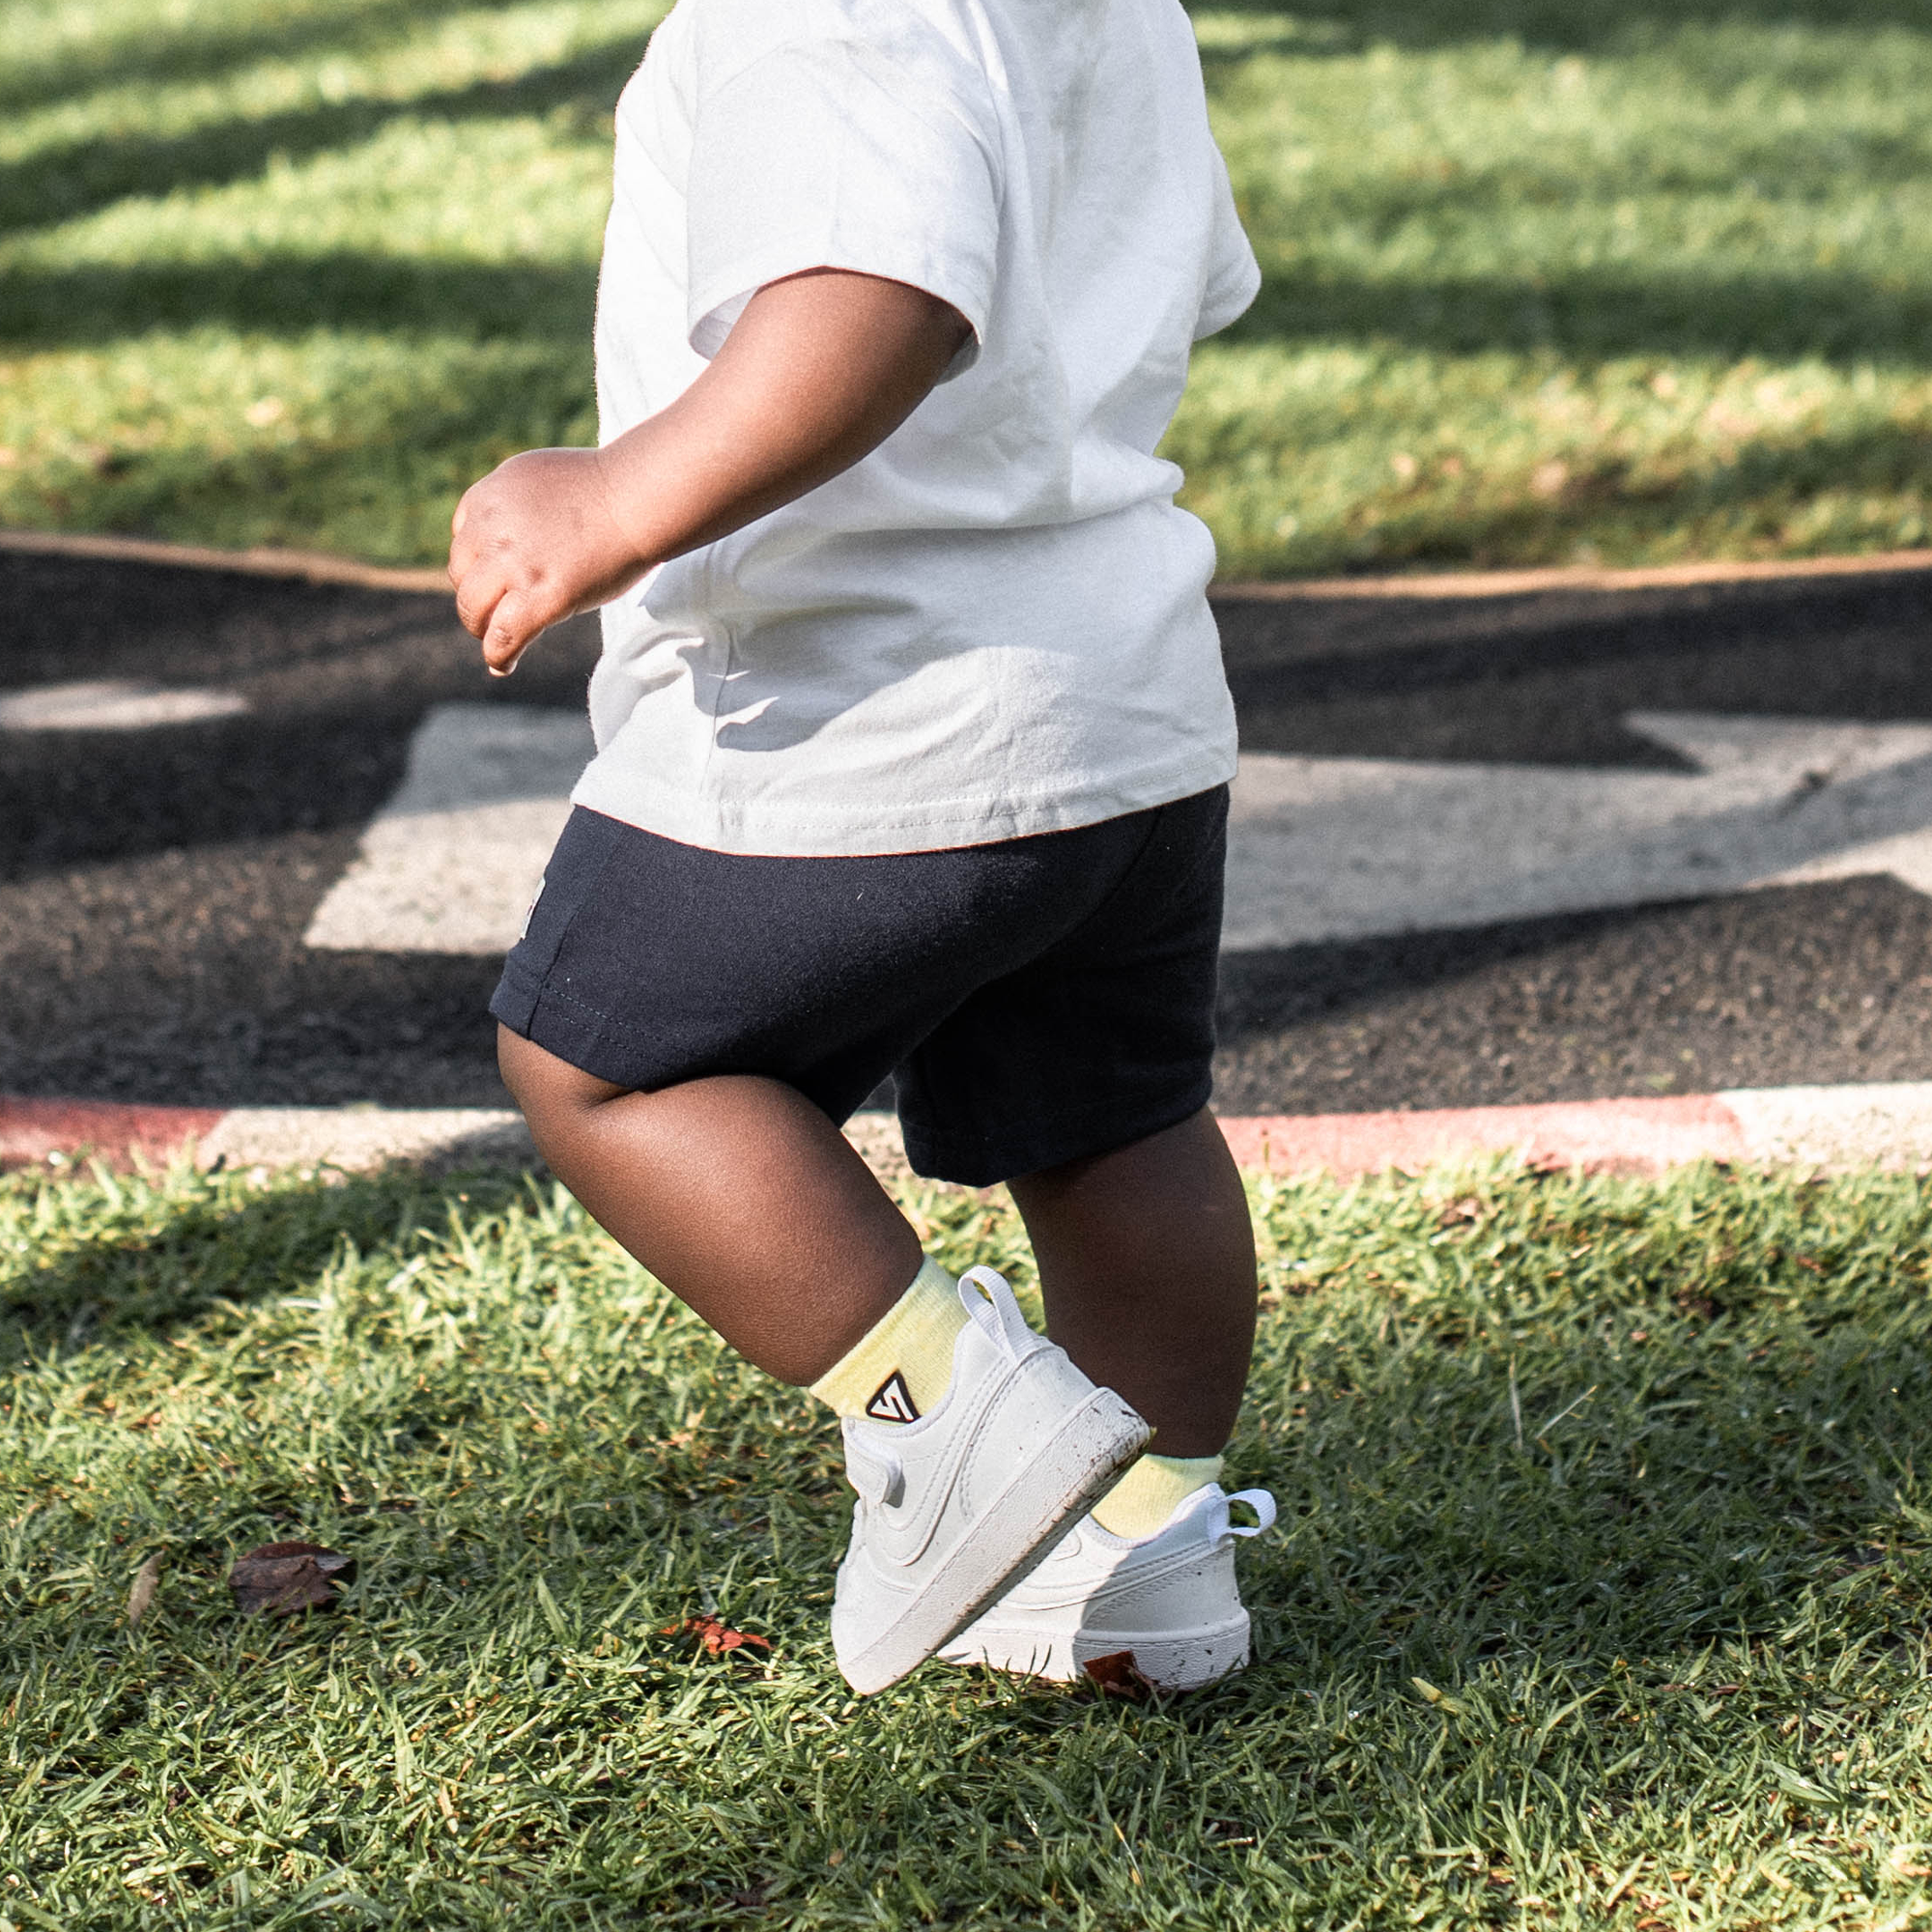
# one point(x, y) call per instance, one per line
point(1263, 1505)
point(877, 1477)
point(987, 1300)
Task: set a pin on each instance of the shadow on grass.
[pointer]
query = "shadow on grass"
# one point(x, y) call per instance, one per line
point(189, 53)
point(62, 184)
point(282, 293)
point(1346, 27)
point(1584, 314)
point(412, 424)
point(1552, 1425)
point(162, 1265)
point(1775, 168)
point(1684, 1440)
point(193, 51)
point(1601, 312)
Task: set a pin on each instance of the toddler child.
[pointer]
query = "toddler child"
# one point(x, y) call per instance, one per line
point(913, 748)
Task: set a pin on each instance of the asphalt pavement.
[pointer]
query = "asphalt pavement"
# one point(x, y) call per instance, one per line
point(194, 763)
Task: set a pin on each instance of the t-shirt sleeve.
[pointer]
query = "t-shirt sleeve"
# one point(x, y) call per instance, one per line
point(1234, 277)
point(828, 153)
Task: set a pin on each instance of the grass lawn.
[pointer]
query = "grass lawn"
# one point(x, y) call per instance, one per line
point(1600, 1597)
point(1545, 282)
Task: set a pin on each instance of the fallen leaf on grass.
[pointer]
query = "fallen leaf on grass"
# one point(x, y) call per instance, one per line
point(1441, 1699)
point(147, 1580)
point(280, 1579)
point(715, 1637)
point(1117, 1675)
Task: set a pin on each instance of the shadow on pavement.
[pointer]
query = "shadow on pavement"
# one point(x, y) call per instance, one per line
point(155, 886)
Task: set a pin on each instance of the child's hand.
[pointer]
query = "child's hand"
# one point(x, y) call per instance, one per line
point(534, 542)
point(819, 369)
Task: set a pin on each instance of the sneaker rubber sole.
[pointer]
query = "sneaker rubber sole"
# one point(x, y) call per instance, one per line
point(1173, 1660)
point(1073, 1469)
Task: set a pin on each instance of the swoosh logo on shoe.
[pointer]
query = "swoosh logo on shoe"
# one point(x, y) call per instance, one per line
point(906, 1531)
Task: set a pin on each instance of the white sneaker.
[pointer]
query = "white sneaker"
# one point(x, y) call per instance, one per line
point(954, 1507)
point(1170, 1598)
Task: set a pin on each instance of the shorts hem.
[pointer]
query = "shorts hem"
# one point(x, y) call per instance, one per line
point(540, 1014)
point(514, 1003)
point(1099, 1130)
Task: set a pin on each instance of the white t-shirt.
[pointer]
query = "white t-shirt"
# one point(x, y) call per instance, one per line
point(995, 624)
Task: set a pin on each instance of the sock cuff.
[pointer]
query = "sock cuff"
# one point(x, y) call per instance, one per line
point(1144, 1501)
point(912, 1339)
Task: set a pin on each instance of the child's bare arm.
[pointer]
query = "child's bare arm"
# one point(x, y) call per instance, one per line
point(819, 370)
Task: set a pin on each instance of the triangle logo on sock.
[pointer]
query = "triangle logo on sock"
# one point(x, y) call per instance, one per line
point(892, 1401)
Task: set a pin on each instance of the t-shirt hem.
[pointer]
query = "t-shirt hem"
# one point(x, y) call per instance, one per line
point(1227, 307)
point(719, 825)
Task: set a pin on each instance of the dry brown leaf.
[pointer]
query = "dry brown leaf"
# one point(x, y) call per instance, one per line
point(147, 1580)
point(279, 1579)
point(1115, 1675)
point(715, 1637)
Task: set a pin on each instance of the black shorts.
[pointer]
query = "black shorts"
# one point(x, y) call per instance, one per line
point(1036, 1000)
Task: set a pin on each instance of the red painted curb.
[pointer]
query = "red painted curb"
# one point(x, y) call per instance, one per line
point(31, 1130)
point(1632, 1136)
point(1605, 1136)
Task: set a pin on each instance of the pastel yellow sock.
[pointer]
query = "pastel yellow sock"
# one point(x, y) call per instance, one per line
point(1141, 1502)
point(903, 1364)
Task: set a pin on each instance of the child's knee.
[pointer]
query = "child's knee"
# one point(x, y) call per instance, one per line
point(546, 1088)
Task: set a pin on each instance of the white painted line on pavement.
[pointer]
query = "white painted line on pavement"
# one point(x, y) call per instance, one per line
point(359, 1139)
point(452, 861)
point(1320, 848)
point(1877, 1125)
point(1345, 848)
point(112, 704)
point(1840, 1128)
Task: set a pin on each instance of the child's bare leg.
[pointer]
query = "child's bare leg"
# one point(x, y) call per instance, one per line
point(740, 1196)
point(1147, 1262)
point(737, 1193)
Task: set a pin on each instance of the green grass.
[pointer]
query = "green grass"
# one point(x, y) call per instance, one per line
point(1599, 1599)
point(1545, 283)
point(1598, 284)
